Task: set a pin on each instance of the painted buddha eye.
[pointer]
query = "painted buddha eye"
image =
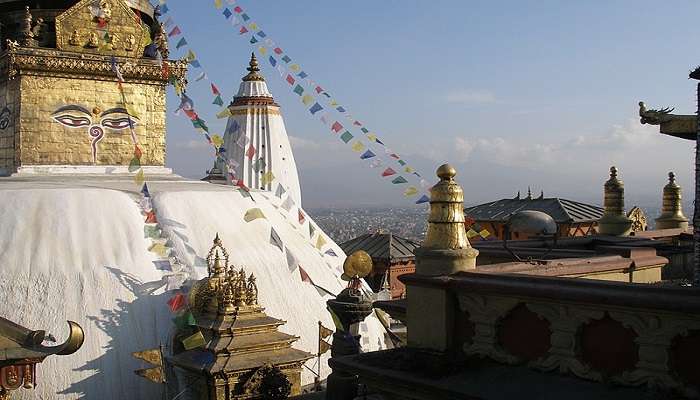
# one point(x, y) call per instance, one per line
point(118, 123)
point(72, 121)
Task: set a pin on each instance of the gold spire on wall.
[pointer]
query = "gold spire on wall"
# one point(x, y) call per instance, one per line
point(614, 220)
point(253, 70)
point(672, 209)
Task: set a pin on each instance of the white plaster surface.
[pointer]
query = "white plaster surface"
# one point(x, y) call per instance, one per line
point(72, 247)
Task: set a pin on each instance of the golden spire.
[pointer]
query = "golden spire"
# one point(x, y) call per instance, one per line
point(446, 248)
point(614, 220)
point(253, 70)
point(672, 210)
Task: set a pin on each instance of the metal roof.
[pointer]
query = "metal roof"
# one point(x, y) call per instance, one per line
point(385, 246)
point(561, 210)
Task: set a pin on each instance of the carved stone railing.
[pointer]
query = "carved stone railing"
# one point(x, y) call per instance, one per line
point(602, 331)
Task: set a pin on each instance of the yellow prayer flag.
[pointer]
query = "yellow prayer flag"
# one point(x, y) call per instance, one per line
point(484, 233)
point(224, 113)
point(217, 4)
point(471, 233)
point(194, 341)
point(253, 214)
point(323, 347)
point(307, 99)
point(358, 146)
point(410, 191)
point(217, 140)
point(262, 50)
point(190, 56)
point(320, 242)
point(324, 332)
point(408, 170)
point(372, 137)
point(139, 178)
point(253, 26)
point(295, 67)
point(334, 103)
point(152, 356)
point(152, 374)
point(267, 178)
point(159, 249)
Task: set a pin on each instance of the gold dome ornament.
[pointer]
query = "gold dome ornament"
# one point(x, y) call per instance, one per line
point(357, 265)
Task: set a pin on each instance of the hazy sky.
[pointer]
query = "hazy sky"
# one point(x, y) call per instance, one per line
point(539, 93)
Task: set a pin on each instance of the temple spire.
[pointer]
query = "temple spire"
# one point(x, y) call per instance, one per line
point(253, 70)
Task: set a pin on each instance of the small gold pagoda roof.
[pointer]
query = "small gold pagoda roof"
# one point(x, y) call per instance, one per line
point(253, 70)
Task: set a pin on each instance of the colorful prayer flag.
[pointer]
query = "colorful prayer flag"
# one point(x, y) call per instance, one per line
point(184, 320)
point(262, 50)
point(201, 76)
point(399, 179)
point(315, 108)
point(346, 136)
point(243, 30)
point(286, 59)
point(139, 178)
point(320, 242)
point(280, 191)
point(307, 99)
point(367, 154)
point(253, 26)
point(388, 172)
point(194, 341)
point(295, 67)
point(151, 231)
point(358, 146)
point(340, 109)
point(302, 75)
point(180, 43)
point(319, 89)
point(218, 101)
point(275, 240)
point(245, 17)
point(253, 214)
point(336, 127)
point(224, 113)
point(331, 253)
point(410, 191)
point(215, 90)
point(217, 140)
point(218, 4)
point(290, 80)
point(151, 217)
point(261, 34)
point(298, 89)
point(336, 321)
point(134, 165)
point(277, 51)
point(302, 218)
point(177, 302)
point(174, 31)
point(292, 261)
point(312, 230)
point(251, 152)
point(238, 10)
point(304, 276)
point(423, 199)
point(195, 64)
point(365, 130)
point(227, 13)
point(287, 204)
point(272, 60)
point(267, 178)
point(159, 249)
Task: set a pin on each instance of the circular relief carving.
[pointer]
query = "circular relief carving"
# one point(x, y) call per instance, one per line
point(607, 346)
point(683, 357)
point(524, 334)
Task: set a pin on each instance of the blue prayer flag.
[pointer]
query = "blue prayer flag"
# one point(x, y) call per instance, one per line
point(145, 191)
point(341, 109)
point(286, 59)
point(163, 8)
point(302, 75)
point(261, 34)
point(423, 199)
point(273, 62)
point(253, 40)
point(245, 17)
point(378, 141)
point(315, 108)
point(196, 64)
point(227, 13)
point(367, 154)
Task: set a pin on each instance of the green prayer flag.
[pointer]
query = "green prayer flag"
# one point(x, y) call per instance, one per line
point(186, 319)
point(218, 101)
point(364, 130)
point(298, 90)
point(151, 231)
point(134, 165)
point(402, 162)
point(200, 124)
point(346, 136)
point(399, 179)
point(194, 341)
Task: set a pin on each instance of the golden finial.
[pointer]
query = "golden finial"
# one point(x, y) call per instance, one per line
point(672, 210)
point(357, 265)
point(253, 70)
point(446, 249)
point(614, 220)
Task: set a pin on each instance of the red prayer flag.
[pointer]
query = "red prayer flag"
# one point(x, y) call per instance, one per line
point(238, 10)
point(304, 276)
point(251, 152)
point(336, 127)
point(388, 172)
point(277, 50)
point(175, 31)
point(215, 90)
point(357, 123)
point(191, 114)
point(243, 30)
point(290, 80)
point(151, 217)
point(302, 218)
point(137, 152)
point(319, 89)
point(395, 156)
point(242, 185)
point(176, 302)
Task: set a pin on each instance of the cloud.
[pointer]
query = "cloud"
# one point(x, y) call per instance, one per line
point(193, 144)
point(298, 143)
point(630, 134)
point(505, 152)
point(471, 97)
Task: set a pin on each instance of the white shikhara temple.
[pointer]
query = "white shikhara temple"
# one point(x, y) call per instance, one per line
point(76, 247)
point(256, 140)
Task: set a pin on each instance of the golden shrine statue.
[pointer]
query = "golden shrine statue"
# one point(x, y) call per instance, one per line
point(49, 82)
point(242, 352)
